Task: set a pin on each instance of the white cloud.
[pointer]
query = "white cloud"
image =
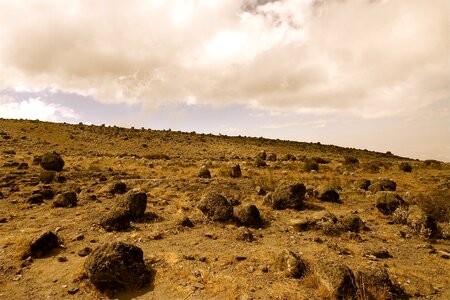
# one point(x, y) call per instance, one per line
point(34, 108)
point(365, 58)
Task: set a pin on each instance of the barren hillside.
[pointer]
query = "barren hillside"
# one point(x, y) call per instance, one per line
point(216, 217)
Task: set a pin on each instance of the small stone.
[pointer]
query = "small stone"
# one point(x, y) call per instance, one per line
point(67, 199)
point(84, 252)
point(61, 259)
point(186, 222)
point(204, 172)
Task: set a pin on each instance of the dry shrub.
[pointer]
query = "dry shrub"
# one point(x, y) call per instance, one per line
point(436, 204)
point(432, 164)
point(157, 156)
point(351, 160)
point(313, 281)
point(405, 167)
point(400, 215)
point(267, 181)
point(370, 291)
point(310, 165)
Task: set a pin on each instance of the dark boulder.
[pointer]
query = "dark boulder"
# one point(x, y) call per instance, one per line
point(388, 202)
point(135, 203)
point(249, 215)
point(43, 245)
point(204, 172)
point(291, 264)
point(117, 266)
point(52, 161)
point(116, 220)
point(287, 195)
point(67, 199)
point(216, 207)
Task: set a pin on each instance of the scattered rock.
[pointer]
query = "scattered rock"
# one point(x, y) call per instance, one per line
point(287, 195)
point(271, 157)
point(185, 222)
point(245, 235)
point(84, 252)
point(405, 167)
point(116, 220)
point(381, 253)
point(259, 163)
point(249, 215)
point(35, 199)
point(45, 192)
point(47, 176)
point(204, 172)
point(235, 171)
point(363, 184)
point(52, 161)
point(42, 245)
point(118, 187)
point(216, 207)
point(9, 152)
point(261, 155)
point(67, 199)
point(382, 185)
point(376, 282)
point(388, 202)
point(339, 277)
point(353, 223)
point(329, 194)
point(291, 264)
point(22, 166)
point(135, 203)
point(37, 159)
point(260, 191)
point(117, 266)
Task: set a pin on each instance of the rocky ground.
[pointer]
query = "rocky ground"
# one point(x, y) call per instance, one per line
point(97, 212)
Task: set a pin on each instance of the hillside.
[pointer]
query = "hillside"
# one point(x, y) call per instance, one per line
point(329, 222)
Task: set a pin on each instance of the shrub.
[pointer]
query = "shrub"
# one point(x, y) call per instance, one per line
point(436, 204)
point(433, 164)
point(351, 160)
point(321, 160)
point(405, 167)
point(310, 165)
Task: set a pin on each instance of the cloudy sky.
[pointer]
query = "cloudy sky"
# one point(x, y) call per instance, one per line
point(370, 74)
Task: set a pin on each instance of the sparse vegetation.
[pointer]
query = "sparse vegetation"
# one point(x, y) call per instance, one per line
point(142, 187)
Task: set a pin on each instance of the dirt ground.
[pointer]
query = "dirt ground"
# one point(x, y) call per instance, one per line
point(209, 260)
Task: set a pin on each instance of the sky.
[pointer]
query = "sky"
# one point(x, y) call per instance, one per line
point(368, 74)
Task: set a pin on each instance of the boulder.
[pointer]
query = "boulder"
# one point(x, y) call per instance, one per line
point(68, 199)
point(388, 202)
point(118, 187)
point(287, 195)
point(235, 171)
point(249, 215)
point(216, 207)
point(382, 185)
point(204, 172)
point(117, 266)
point(329, 194)
point(116, 220)
point(135, 203)
point(43, 245)
point(52, 161)
point(291, 264)
point(339, 277)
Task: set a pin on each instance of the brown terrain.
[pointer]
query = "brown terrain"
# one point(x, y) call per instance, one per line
point(144, 214)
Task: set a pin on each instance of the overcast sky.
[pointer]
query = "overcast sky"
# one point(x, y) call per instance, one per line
point(360, 73)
